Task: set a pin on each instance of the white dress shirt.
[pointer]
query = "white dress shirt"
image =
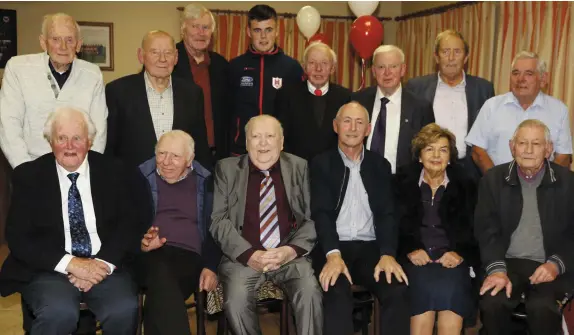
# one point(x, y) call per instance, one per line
point(83, 184)
point(323, 89)
point(451, 111)
point(393, 124)
point(160, 107)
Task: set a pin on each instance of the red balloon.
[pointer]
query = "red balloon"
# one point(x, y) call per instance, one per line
point(366, 35)
point(318, 37)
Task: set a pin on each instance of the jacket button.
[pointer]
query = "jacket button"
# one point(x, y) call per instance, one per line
point(240, 227)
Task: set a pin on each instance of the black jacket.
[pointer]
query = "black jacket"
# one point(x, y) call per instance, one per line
point(218, 79)
point(304, 137)
point(456, 211)
point(248, 97)
point(499, 210)
point(131, 134)
point(35, 228)
point(329, 180)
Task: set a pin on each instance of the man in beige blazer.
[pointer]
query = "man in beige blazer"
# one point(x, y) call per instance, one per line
point(262, 222)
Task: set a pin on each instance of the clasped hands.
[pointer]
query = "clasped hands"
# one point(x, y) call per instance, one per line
point(497, 281)
point(449, 259)
point(271, 259)
point(336, 265)
point(84, 273)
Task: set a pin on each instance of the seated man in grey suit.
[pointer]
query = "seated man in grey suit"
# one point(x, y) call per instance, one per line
point(456, 96)
point(71, 226)
point(262, 221)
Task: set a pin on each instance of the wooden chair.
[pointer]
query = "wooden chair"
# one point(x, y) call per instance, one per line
point(364, 305)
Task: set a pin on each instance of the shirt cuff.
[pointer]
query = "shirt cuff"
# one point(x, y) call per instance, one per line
point(110, 265)
point(298, 250)
point(63, 264)
point(496, 266)
point(245, 256)
point(559, 263)
point(332, 251)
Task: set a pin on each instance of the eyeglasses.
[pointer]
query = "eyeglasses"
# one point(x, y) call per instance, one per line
point(166, 53)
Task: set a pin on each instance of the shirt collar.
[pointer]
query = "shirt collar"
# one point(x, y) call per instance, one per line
point(206, 59)
point(395, 98)
point(461, 84)
point(149, 86)
point(444, 182)
point(187, 173)
point(55, 72)
point(323, 89)
point(83, 169)
point(253, 168)
point(538, 101)
point(349, 162)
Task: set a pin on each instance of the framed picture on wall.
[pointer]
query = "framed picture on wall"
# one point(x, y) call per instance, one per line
point(98, 44)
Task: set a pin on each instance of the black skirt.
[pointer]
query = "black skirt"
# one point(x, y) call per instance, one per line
point(433, 287)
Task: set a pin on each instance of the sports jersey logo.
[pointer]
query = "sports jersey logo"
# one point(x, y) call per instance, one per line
point(246, 81)
point(277, 82)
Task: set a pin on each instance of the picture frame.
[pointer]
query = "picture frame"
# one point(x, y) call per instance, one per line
point(97, 44)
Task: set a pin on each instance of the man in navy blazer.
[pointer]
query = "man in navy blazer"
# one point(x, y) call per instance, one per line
point(456, 96)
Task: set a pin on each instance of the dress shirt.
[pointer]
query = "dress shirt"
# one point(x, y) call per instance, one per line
point(160, 107)
point(393, 125)
point(60, 77)
point(451, 111)
point(323, 89)
point(500, 116)
point(84, 187)
point(355, 220)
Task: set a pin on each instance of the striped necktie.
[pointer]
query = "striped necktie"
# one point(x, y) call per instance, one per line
point(268, 220)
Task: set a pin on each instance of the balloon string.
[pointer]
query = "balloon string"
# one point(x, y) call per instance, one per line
point(363, 72)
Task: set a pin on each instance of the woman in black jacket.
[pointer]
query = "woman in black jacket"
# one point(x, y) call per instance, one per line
point(435, 202)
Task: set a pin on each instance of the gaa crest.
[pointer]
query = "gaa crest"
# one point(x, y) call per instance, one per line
point(277, 82)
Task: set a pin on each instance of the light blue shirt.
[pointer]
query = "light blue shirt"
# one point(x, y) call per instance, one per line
point(500, 116)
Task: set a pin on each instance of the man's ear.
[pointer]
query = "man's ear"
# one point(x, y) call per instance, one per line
point(43, 43)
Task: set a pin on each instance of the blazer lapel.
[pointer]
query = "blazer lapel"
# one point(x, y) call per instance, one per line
point(430, 90)
point(55, 199)
point(98, 191)
point(179, 112)
point(145, 118)
point(286, 175)
point(243, 167)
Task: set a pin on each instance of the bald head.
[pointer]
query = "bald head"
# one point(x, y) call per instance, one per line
point(353, 105)
point(151, 35)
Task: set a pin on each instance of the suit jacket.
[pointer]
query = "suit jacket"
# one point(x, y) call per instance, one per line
point(415, 114)
point(478, 90)
point(131, 134)
point(304, 137)
point(35, 229)
point(218, 80)
point(230, 192)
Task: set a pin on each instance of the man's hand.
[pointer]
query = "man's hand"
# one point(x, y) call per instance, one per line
point(545, 273)
point(88, 269)
point(419, 257)
point(82, 285)
point(389, 265)
point(450, 260)
point(275, 258)
point(332, 269)
point(207, 280)
point(256, 262)
point(497, 281)
point(151, 240)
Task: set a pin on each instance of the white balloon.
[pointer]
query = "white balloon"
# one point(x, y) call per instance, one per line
point(308, 21)
point(360, 8)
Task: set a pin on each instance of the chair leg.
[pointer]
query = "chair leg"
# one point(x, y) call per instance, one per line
point(284, 317)
point(222, 324)
point(140, 313)
point(376, 317)
point(200, 312)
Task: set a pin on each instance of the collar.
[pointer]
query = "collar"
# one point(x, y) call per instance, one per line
point(187, 173)
point(83, 169)
point(253, 168)
point(323, 89)
point(54, 71)
point(206, 58)
point(444, 182)
point(149, 86)
point(461, 84)
point(512, 174)
point(538, 101)
point(273, 51)
point(348, 160)
point(395, 98)
point(530, 179)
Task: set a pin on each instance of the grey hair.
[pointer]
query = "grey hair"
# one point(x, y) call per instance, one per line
point(66, 112)
point(51, 18)
point(389, 48)
point(323, 47)
point(533, 123)
point(195, 11)
point(262, 117)
point(356, 105)
point(540, 64)
point(180, 134)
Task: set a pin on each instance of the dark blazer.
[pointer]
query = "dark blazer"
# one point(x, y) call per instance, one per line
point(456, 212)
point(415, 114)
point(35, 229)
point(218, 81)
point(329, 180)
point(304, 137)
point(131, 135)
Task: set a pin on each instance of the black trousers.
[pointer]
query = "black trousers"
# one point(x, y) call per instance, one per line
point(361, 257)
point(169, 275)
point(544, 317)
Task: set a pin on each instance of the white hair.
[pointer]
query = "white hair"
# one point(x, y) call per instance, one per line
point(263, 117)
point(179, 134)
point(67, 112)
point(540, 64)
point(323, 47)
point(531, 123)
point(51, 18)
point(389, 48)
point(196, 11)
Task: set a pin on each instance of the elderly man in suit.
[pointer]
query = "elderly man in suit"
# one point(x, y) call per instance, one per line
point(146, 105)
point(525, 231)
point(209, 70)
point(262, 221)
point(456, 96)
point(306, 110)
point(396, 113)
point(70, 229)
point(34, 85)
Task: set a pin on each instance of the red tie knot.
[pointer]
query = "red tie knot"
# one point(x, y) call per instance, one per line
point(318, 92)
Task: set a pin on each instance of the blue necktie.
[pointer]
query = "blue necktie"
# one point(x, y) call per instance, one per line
point(379, 133)
point(81, 245)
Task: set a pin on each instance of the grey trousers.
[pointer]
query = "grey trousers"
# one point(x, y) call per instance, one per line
point(240, 284)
